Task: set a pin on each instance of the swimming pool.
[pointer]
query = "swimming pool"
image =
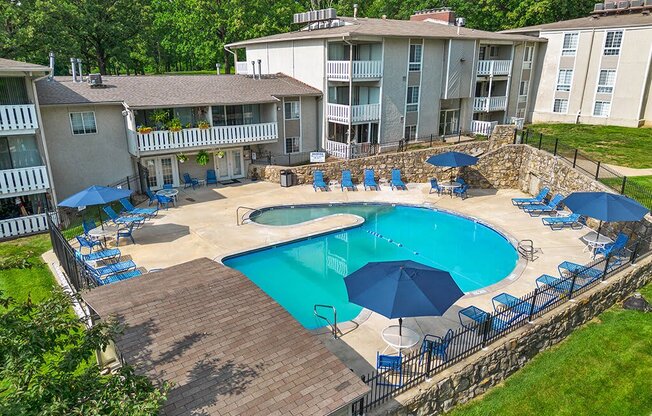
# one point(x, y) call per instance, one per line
point(303, 273)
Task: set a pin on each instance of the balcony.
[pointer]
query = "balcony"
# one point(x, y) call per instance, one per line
point(23, 225)
point(486, 104)
point(159, 141)
point(338, 113)
point(348, 150)
point(23, 181)
point(18, 119)
point(493, 67)
point(484, 128)
point(359, 71)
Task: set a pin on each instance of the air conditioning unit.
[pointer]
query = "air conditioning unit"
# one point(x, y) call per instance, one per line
point(648, 3)
point(598, 7)
point(610, 5)
point(636, 3)
point(95, 80)
point(622, 5)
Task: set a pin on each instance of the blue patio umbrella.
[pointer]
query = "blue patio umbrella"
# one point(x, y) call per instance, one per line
point(95, 195)
point(605, 206)
point(452, 159)
point(402, 289)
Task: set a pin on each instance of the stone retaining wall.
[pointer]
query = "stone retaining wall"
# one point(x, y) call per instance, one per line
point(485, 369)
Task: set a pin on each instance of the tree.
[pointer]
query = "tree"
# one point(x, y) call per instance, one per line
point(47, 364)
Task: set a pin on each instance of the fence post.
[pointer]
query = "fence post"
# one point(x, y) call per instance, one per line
point(430, 139)
point(556, 143)
point(570, 292)
point(515, 133)
point(575, 158)
point(533, 303)
point(622, 188)
point(361, 402)
point(606, 268)
point(540, 140)
point(632, 259)
point(428, 361)
point(486, 327)
point(597, 171)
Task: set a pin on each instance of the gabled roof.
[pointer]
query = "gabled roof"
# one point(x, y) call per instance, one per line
point(228, 348)
point(8, 65)
point(590, 22)
point(172, 90)
point(366, 27)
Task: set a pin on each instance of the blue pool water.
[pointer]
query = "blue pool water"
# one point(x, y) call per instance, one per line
point(301, 274)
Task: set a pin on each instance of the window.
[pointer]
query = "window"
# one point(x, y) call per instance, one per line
point(561, 106)
point(410, 132)
point(612, 42)
point(412, 99)
point(83, 123)
point(564, 79)
point(292, 110)
point(292, 145)
point(528, 54)
point(602, 108)
point(606, 81)
point(523, 87)
point(415, 58)
point(569, 48)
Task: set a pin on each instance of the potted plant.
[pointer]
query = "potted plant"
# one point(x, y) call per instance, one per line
point(182, 157)
point(144, 129)
point(203, 125)
point(160, 117)
point(202, 158)
point(220, 154)
point(174, 125)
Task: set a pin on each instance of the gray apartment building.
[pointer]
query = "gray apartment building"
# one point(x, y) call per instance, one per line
point(385, 80)
point(597, 69)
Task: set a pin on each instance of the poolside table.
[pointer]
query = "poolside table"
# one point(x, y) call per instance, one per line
point(594, 242)
point(408, 338)
point(449, 186)
point(170, 193)
point(110, 231)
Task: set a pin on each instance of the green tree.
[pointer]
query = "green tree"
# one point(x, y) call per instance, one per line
point(47, 364)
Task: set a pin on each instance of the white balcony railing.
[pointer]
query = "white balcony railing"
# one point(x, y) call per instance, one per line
point(339, 113)
point(23, 180)
point(486, 104)
point(23, 225)
point(14, 118)
point(242, 68)
point(212, 136)
point(346, 150)
point(361, 70)
point(493, 67)
point(483, 127)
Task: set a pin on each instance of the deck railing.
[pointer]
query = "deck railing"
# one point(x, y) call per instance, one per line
point(242, 68)
point(339, 113)
point(348, 151)
point(213, 136)
point(485, 104)
point(484, 128)
point(494, 67)
point(342, 70)
point(14, 118)
point(23, 180)
point(30, 224)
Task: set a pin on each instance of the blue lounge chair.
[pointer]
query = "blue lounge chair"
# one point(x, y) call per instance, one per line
point(88, 225)
point(188, 181)
point(168, 186)
point(572, 220)
point(118, 277)
point(460, 180)
point(130, 209)
point(473, 314)
point(164, 201)
point(347, 182)
point(318, 181)
point(537, 209)
point(125, 233)
point(585, 272)
point(437, 346)
point(461, 191)
point(536, 200)
point(396, 182)
point(561, 285)
point(138, 220)
point(369, 180)
point(151, 196)
point(88, 243)
point(434, 186)
point(107, 254)
point(115, 268)
point(613, 249)
point(393, 364)
point(506, 301)
point(211, 177)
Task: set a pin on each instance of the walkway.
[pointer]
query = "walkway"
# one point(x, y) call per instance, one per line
point(625, 171)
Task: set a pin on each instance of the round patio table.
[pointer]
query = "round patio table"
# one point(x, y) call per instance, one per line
point(108, 231)
point(449, 186)
point(408, 338)
point(170, 193)
point(594, 242)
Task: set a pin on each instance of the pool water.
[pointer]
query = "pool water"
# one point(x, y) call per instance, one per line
point(301, 274)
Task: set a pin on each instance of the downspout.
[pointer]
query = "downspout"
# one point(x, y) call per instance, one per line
point(586, 75)
point(235, 57)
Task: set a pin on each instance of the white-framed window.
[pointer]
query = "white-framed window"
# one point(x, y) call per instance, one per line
point(569, 47)
point(560, 106)
point(528, 55)
point(415, 57)
point(606, 81)
point(523, 88)
point(412, 99)
point(602, 108)
point(612, 42)
point(410, 132)
point(292, 145)
point(564, 79)
point(83, 122)
point(292, 110)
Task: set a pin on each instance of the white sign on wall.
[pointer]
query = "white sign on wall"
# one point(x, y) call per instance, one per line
point(317, 157)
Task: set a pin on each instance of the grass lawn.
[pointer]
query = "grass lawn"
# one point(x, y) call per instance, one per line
point(22, 272)
point(621, 146)
point(636, 187)
point(603, 368)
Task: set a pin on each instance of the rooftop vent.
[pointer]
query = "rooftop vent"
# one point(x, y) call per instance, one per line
point(315, 16)
point(95, 80)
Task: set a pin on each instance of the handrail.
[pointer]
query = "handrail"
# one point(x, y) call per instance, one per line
point(238, 219)
point(333, 325)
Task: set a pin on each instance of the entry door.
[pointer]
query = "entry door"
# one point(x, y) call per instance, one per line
point(162, 171)
point(449, 122)
point(231, 166)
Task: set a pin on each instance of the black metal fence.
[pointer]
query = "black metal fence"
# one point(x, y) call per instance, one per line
point(472, 336)
point(77, 275)
point(582, 162)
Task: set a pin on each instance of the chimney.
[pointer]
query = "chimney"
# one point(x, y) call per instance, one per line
point(79, 68)
point(73, 61)
point(253, 67)
point(444, 16)
point(51, 75)
point(355, 11)
point(260, 69)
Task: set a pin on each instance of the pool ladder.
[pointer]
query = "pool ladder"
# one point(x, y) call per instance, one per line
point(333, 324)
point(239, 219)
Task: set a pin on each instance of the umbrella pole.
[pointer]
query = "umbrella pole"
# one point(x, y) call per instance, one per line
point(99, 213)
point(597, 237)
point(400, 329)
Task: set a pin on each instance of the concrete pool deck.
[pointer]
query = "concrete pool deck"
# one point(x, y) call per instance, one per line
point(205, 225)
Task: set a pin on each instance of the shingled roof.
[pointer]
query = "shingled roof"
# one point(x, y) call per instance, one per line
point(228, 348)
point(365, 27)
point(173, 90)
point(591, 22)
point(10, 65)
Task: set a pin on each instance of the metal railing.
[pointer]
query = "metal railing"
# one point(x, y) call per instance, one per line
point(333, 324)
point(239, 219)
point(471, 336)
point(77, 274)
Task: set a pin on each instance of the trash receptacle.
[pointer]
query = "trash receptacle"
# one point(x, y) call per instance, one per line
point(286, 178)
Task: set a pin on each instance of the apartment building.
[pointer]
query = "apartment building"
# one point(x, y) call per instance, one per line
point(596, 69)
point(25, 187)
point(385, 80)
point(103, 130)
